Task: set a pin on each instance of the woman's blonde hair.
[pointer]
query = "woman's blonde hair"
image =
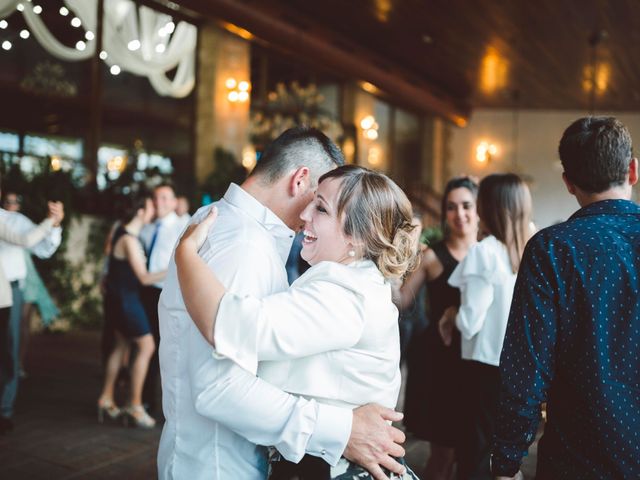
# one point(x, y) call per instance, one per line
point(378, 215)
point(504, 205)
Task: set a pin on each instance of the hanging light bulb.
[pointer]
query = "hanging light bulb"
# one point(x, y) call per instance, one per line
point(134, 45)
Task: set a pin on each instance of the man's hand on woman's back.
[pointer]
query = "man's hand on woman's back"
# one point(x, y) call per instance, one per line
point(373, 442)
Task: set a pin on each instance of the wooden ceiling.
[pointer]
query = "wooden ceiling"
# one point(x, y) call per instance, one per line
point(480, 53)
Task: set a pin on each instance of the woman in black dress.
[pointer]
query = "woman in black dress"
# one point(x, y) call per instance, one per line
point(124, 309)
point(431, 405)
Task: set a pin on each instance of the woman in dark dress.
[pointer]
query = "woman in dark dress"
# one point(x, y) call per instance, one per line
point(431, 406)
point(124, 309)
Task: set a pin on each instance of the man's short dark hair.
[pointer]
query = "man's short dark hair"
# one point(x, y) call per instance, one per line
point(595, 153)
point(298, 147)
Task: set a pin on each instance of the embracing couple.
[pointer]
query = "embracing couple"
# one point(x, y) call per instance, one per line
point(287, 382)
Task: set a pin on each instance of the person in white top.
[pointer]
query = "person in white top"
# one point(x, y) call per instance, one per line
point(333, 335)
point(209, 402)
point(159, 239)
point(13, 266)
point(486, 278)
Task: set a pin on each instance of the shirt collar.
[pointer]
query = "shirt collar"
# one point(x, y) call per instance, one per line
point(283, 235)
point(167, 220)
point(608, 207)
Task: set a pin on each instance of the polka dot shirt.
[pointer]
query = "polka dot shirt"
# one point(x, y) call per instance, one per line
point(573, 340)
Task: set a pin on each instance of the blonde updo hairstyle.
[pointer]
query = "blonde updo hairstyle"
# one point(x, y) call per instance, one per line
point(377, 215)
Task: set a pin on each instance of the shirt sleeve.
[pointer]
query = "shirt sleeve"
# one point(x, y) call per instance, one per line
point(476, 296)
point(45, 247)
point(26, 239)
point(527, 360)
point(323, 314)
point(251, 407)
point(265, 415)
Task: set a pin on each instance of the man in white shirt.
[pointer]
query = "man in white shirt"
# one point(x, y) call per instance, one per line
point(12, 262)
point(218, 413)
point(159, 239)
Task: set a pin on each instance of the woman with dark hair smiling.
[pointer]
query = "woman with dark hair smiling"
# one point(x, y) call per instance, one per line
point(333, 336)
point(432, 401)
point(486, 279)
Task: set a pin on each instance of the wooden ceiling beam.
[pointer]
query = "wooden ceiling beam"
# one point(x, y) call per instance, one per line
point(267, 23)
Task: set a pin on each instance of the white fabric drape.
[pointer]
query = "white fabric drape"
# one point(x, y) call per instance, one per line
point(7, 7)
point(125, 22)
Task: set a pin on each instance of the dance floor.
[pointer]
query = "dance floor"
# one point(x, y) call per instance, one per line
point(57, 436)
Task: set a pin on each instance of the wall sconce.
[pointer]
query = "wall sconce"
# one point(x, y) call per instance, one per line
point(56, 163)
point(117, 164)
point(238, 91)
point(485, 151)
point(249, 157)
point(369, 127)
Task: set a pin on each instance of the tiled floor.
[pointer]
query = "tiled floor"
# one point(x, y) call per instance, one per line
point(57, 436)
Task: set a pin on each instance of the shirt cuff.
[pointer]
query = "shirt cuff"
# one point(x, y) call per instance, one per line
point(235, 332)
point(331, 433)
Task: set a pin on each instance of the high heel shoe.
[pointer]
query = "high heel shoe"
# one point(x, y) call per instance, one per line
point(139, 416)
point(108, 408)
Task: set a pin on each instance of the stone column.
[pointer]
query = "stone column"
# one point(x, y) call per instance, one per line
point(218, 121)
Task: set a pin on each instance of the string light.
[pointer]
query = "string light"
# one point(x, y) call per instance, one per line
point(76, 22)
point(37, 9)
point(115, 70)
point(64, 11)
point(24, 34)
point(134, 45)
point(6, 45)
point(160, 48)
point(89, 35)
point(20, 7)
point(103, 55)
point(3, 24)
point(80, 45)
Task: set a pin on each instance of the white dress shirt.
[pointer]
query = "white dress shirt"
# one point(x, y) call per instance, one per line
point(216, 412)
point(170, 227)
point(12, 256)
point(486, 282)
point(25, 240)
point(332, 336)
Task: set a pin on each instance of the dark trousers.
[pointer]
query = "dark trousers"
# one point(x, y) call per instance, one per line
point(150, 298)
point(9, 348)
point(480, 393)
point(309, 468)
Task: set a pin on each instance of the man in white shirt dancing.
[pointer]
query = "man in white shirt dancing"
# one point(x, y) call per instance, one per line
point(159, 239)
point(217, 414)
point(12, 261)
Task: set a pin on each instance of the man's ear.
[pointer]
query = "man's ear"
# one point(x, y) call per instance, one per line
point(633, 171)
point(299, 181)
point(570, 186)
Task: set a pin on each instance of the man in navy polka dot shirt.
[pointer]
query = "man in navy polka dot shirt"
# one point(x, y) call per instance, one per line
point(573, 338)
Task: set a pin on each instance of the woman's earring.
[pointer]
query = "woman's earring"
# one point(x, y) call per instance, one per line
point(351, 253)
